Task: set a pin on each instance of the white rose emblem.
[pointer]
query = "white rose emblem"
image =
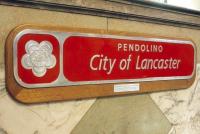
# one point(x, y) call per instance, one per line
point(38, 57)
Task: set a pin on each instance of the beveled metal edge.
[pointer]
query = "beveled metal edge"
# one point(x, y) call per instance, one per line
point(62, 81)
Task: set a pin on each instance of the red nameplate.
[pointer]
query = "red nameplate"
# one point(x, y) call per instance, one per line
point(126, 58)
point(53, 64)
point(62, 58)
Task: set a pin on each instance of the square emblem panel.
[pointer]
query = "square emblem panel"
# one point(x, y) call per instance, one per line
point(37, 58)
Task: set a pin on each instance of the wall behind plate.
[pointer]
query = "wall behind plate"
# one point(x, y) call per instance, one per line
point(109, 16)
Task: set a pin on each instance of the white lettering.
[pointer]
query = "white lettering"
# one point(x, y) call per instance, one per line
point(153, 48)
point(157, 64)
point(102, 63)
point(91, 61)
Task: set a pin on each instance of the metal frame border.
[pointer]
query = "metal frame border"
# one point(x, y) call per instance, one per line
point(62, 80)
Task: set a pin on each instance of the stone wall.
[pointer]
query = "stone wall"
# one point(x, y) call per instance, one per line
point(62, 117)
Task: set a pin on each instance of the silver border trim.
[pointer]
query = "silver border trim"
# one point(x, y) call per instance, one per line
point(62, 36)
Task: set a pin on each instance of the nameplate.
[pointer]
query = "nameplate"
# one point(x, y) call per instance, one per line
point(41, 58)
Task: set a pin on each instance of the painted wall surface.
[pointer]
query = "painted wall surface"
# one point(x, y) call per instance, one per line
point(62, 117)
